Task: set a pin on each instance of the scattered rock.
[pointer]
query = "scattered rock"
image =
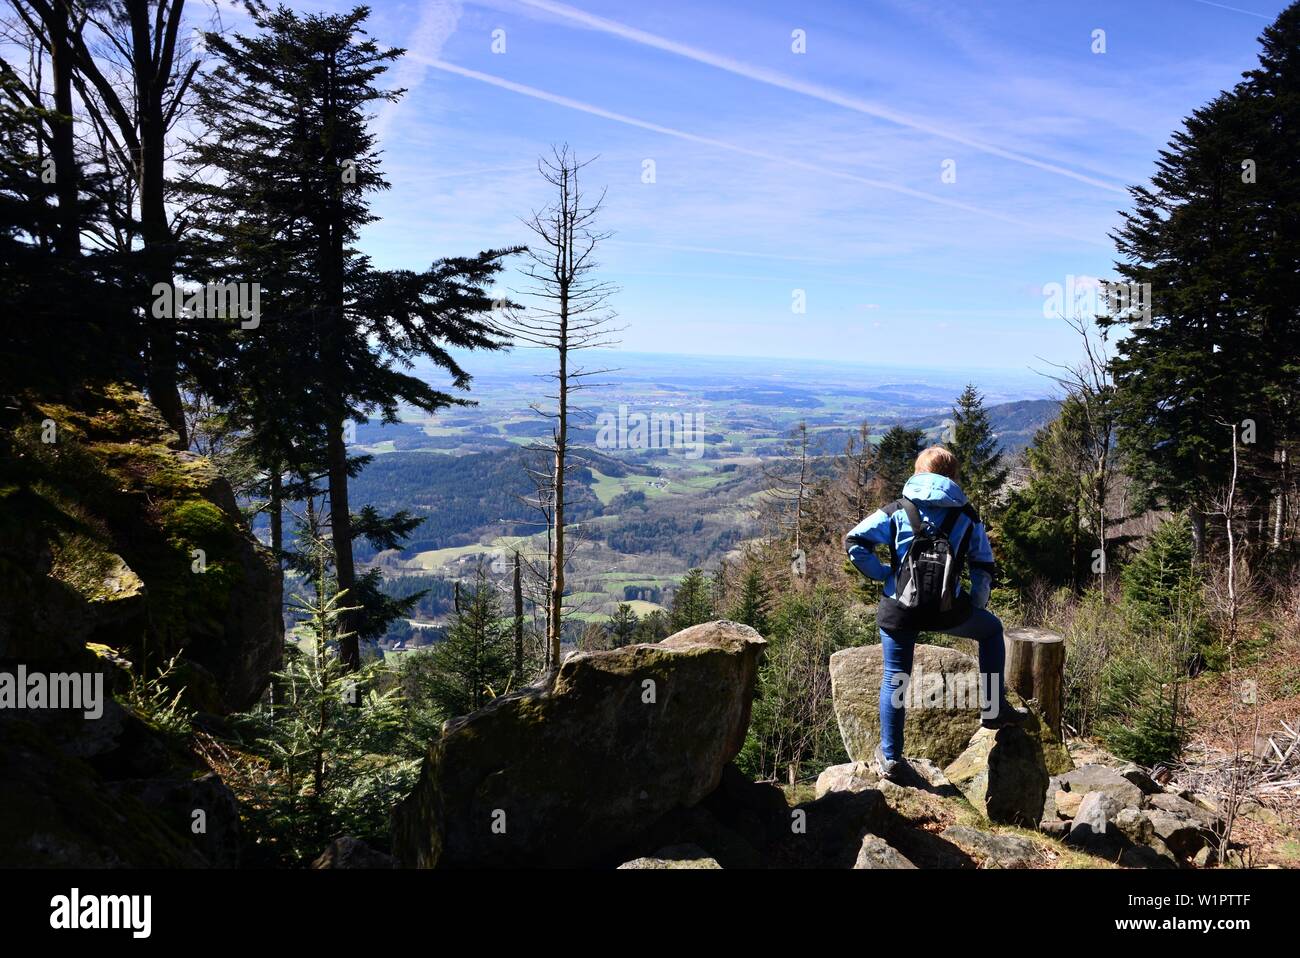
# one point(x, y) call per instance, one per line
point(878, 853)
point(1182, 836)
point(1101, 778)
point(1067, 803)
point(1258, 812)
point(1003, 775)
point(1057, 828)
point(1003, 851)
point(674, 856)
point(942, 700)
point(1181, 807)
point(1092, 829)
point(850, 777)
point(349, 852)
point(567, 771)
point(1138, 776)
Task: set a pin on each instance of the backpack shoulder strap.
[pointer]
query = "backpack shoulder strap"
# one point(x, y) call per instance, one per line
point(949, 521)
point(889, 509)
point(913, 514)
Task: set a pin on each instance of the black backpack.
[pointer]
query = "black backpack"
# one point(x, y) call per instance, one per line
point(926, 578)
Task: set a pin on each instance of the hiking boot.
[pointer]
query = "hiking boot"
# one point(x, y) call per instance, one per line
point(887, 768)
point(1006, 715)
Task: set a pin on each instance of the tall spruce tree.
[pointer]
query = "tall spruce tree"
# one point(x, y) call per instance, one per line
point(1214, 235)
point(976, 448)
point(293, 100)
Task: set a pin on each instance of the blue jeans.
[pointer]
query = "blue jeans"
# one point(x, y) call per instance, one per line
point(982, 626)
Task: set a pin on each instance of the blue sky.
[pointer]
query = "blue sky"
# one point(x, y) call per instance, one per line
point(820, 171)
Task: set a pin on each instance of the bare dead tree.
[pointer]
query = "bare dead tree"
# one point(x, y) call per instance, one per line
point(567, 311)
point(1090, 384)
point(789, 481)
point(857, 472)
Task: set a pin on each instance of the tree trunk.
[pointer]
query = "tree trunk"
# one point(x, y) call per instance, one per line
point(341, 534)
point(159, 258)
point(68, 240)
point(1197, 518)
point(276, 509)
point(519, 623)
point(553, 626)
point(1036, 670)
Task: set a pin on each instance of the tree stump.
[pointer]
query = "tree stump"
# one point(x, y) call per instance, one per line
point(1036, 670)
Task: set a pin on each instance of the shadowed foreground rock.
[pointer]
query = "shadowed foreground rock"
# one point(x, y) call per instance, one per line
point(566, 773)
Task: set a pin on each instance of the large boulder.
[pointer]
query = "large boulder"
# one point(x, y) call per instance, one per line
point(567, 771)
point(942, 702)
point(1002, 773)
point(1094, 828)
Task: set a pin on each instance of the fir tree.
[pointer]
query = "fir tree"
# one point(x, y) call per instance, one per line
point(691, 604)
point(1214, 238)
point(752, 605)
point(475, 661)
point(293, 102)
point(623, 625)
point(896, 457)
point(976, 449)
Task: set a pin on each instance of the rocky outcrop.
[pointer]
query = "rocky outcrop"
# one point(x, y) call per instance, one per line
point(113, 539)
point(118, 552)
point(566, 772)
point(942, 702)
point(1003, 775)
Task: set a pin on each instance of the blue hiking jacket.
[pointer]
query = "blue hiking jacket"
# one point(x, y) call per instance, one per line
point(933, 494)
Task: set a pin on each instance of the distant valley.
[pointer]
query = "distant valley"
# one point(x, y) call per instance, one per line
point(642, 516)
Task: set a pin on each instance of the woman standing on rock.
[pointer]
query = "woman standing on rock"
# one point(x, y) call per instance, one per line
point(931, 531)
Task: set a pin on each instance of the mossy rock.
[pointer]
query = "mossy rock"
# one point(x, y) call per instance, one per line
point(114, 537)
point(575, 768)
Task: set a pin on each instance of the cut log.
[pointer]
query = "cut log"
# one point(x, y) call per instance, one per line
point(1036, 670)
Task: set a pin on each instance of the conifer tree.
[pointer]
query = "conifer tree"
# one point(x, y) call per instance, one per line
point(752, 604)
point(293, 101)
point(976, 449)
point(475, 661)
point(1213, 236)
point(691, 604)
point(623, 625)
point(896, 456)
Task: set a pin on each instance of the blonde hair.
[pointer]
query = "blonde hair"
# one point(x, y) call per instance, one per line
point(939, 460)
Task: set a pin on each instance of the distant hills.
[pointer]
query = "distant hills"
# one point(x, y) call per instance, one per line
point(1014, 422)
